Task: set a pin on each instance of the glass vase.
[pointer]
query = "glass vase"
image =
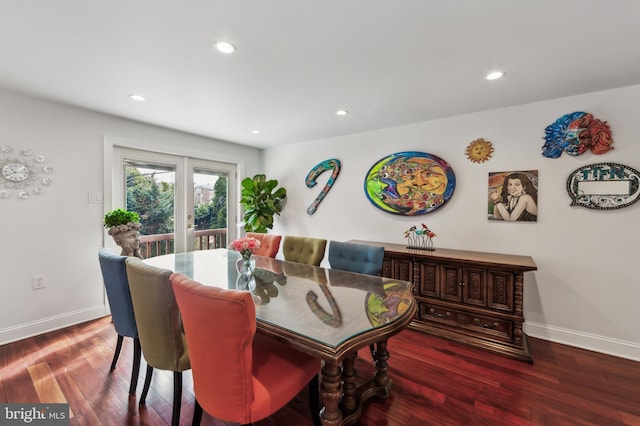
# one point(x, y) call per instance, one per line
point(246, 280)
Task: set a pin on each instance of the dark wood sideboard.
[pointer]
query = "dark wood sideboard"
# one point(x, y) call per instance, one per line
point(466, 296)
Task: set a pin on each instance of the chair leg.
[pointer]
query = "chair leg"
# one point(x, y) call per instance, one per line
point(177, 397)
point(314, 400)
point(117, 352)
point(135, 371)
point(147, 383)
point(197, 414)
point(374, 354)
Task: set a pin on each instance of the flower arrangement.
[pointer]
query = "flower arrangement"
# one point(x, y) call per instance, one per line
point(246, 246)
point(420, 238)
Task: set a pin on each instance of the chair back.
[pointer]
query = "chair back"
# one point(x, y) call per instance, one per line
point(116, 283)
point(220, 326)
point(157, 315)
point(269, 244)
point(304, 249)
point(362, 258)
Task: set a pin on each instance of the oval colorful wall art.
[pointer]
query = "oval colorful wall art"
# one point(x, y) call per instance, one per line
point(410, 183)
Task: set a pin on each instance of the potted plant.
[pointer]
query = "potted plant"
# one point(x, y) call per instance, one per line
point(260, 200)
point(124, 226)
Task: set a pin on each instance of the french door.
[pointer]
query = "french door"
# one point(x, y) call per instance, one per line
point(185, 203)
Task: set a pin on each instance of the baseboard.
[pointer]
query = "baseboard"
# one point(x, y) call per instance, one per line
point(592, 342)
point(45, 325)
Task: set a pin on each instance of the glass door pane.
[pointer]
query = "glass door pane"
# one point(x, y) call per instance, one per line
point(209, 209)
point(150, 191)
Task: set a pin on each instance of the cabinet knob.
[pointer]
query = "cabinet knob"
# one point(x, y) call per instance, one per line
point(461, 284)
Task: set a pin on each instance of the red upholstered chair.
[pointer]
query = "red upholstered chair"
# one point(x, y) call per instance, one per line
point(238, 376)
point(269, 243)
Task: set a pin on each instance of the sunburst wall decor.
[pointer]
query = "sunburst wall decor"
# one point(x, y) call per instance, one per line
point(479, 151)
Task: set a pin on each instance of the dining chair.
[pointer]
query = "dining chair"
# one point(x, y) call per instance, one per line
point(353, 257)
point(304, 249)
point(116, 283)
point(269, 244)
point(159, 326)
point(247, 376)
point(361, 258)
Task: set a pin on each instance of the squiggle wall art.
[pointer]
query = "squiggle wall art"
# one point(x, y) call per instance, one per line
point(317, 171)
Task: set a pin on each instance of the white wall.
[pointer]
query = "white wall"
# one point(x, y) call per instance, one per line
point(586, 290)
point(59, 233)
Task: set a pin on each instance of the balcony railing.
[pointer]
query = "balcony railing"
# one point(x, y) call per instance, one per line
point(159, 244)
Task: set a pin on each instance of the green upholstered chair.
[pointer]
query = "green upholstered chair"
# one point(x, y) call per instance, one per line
point(269, 244)
point(159, 326)
point(239, 376)
point(304, 249)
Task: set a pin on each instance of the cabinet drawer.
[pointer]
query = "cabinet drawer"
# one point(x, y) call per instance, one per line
point(494, 327)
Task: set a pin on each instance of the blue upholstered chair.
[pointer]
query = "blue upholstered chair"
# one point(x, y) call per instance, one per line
point(114, 275)
point(352, 257)
point(361, 258)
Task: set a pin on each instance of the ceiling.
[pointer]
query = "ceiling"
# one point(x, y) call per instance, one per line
point(388, 62)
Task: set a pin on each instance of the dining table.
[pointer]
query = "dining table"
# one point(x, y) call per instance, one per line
point(325, 312)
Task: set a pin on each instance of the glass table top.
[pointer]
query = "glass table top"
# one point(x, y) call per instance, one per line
point(326, 305)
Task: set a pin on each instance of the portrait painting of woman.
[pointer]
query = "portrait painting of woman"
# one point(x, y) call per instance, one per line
point(513, 196)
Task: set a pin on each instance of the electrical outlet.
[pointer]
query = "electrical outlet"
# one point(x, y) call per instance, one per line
point(39, 281)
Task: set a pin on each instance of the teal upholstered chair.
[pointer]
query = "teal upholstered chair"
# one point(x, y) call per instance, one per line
point(352, 257)
point(361, 258)
point(159, 325)
point(116, 283)
point(305, 250)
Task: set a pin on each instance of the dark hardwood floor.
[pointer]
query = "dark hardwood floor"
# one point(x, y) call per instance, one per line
point(435, 382)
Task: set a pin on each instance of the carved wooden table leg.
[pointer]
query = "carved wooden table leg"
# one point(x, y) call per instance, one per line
point(330, 391)
point(349, 388)
point(382, 379)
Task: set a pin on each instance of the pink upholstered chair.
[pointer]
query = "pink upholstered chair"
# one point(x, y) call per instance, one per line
point(269, 243)
point(238, 376)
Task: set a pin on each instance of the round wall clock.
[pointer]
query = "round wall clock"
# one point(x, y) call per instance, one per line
point(22, 173)
point(410, 183)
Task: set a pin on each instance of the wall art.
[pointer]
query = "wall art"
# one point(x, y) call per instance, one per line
point(23, 172)
point(575, 133)
point(479, 151)
point(513, 196)
point(410, 183)
point(332, 164)
point(604, 186)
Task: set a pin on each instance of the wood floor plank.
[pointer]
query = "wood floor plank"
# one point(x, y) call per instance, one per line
point(45, 384)
point(435, 382)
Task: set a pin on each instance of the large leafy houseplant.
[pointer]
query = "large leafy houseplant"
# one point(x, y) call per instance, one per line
point(260, 200)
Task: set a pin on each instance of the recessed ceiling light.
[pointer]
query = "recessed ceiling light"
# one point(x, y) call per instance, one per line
point(224, 47)
point(255, 132)
point(494, 75)
point(342, 112)
point(136, 97)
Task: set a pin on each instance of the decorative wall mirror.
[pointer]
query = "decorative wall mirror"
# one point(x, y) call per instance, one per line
point(604, 186)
